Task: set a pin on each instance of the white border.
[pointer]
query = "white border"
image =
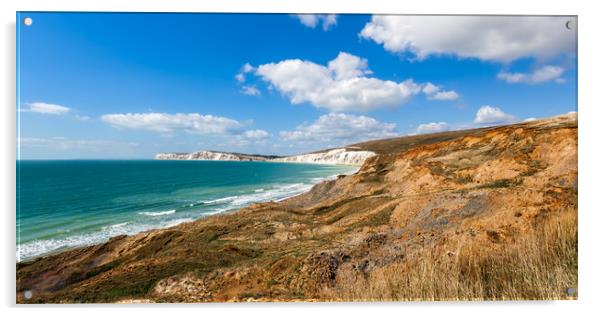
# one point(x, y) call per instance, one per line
point(589, 148)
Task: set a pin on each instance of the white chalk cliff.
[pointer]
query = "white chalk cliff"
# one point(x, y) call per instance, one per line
point(339, 156)
point(209, 155)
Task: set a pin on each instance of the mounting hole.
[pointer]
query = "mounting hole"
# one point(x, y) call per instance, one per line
point(27, 21)
point(27, 295)
point(571, 291)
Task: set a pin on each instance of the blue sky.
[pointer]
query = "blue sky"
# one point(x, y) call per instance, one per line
point(118, 85)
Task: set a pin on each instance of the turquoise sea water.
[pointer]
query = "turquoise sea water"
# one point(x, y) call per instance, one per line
point(70, 203)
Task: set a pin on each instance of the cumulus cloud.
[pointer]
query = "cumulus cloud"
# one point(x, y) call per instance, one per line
point(540, 75)
point(256, 134)
point(493, 115)
point(347, 66)
point(342, 85)
point(46, 108)
point(167, 123)
point(250, 90)
point(340, 129)
point(445, 96)
point(434, 127)
point(494, 38)
point(433, 92)
point(250, 137)
point(245, 69)
point(313, 20)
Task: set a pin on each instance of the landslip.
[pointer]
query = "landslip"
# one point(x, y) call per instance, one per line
point(478, 214)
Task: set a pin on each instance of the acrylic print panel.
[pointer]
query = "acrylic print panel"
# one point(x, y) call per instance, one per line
point(276, 157)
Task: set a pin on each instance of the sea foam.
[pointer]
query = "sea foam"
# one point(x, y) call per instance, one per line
point(158, 213)
point(38, 248)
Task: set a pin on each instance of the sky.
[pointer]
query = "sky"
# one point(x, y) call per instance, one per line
point(130, 85)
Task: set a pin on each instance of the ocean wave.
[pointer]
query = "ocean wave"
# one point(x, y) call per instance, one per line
point(277, 193)
point(162, 213)
point(220, 200)
point(36, 248)
point(115, 225)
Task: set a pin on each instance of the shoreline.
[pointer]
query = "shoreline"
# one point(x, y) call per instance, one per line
point(204, 216)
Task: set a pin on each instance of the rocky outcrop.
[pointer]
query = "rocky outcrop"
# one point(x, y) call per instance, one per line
point(339, 156)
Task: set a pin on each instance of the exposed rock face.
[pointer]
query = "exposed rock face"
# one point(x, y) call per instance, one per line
point(430, 198)
point(210, 155)
point(339, 156)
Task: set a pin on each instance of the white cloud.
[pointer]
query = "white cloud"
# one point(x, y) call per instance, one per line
point(340, 129)
point(256, 134)
point(445, 96)
point(493, 115)
point(240, 77)
point(434, 92)
point(434, 127)
point(328, 21)
point(540, 75)
point(46, 108)
point(250, 137)
point(250, 90)
point(167, 123)
point(245, 69)
point(313, 20)
point(347, 66)
point(497, 38)
point(430, 88)
point(340, 86)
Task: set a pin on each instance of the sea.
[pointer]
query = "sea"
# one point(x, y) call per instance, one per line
point(62, 204)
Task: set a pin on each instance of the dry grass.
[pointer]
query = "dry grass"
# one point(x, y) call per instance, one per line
point(541, 266)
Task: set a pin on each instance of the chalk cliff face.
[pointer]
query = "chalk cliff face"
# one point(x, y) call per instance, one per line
point(339, 156)
point(209, 155)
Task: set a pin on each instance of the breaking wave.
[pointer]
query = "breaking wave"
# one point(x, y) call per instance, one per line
point(158, 213)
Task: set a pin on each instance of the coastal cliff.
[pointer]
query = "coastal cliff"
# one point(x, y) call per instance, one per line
point(489, 213)
point(212, 155)
point(338, 156)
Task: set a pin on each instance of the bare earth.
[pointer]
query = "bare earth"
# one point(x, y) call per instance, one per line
point(474, 215)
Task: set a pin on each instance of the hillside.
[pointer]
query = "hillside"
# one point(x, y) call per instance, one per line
point(478, 214)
